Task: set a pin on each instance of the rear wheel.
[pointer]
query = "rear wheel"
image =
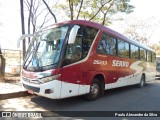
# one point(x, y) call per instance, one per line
point(95, 89)
point(142, 81)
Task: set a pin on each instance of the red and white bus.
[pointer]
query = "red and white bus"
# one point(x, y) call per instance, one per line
point(81, 57)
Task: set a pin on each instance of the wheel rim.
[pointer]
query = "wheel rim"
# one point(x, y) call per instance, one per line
point(94, 89)
point(142, 82)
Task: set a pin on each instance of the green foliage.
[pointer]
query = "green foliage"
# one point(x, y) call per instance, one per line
point(94, 10)
point(156, 47)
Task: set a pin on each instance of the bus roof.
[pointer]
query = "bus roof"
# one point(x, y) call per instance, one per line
point(107, 30)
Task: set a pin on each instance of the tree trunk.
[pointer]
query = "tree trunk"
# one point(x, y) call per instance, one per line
point(55, 19)
point(71, 8)
point(79, 9)
point(23, 27)
point(29, 20)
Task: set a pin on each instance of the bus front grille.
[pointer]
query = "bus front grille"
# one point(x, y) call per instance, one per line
point(34, 89)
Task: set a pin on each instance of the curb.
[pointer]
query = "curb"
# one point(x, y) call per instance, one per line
point(14, 95)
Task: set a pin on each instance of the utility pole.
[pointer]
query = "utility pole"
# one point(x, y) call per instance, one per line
point(23, 28)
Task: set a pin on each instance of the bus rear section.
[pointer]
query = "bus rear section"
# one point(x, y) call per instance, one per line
point(124, 61)
point(81, 57)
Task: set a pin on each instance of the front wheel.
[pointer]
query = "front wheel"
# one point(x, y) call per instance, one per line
point(94, 90)
point(142, 82)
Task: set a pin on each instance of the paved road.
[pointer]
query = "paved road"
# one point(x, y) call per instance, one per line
point(121, 99)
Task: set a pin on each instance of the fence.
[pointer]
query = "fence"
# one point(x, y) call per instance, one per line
point(14, 60)
point(2, 66)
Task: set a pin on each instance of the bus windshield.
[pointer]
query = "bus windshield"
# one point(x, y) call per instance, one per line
point(45, 48)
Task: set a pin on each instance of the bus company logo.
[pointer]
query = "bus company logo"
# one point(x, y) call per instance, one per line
point(100, 62)
point(26, 74)
point(118, 63)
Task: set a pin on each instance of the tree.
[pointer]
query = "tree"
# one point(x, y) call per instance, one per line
point(139, 30)
point(94, 10)
point(156, 47)
point(23, 26)
point(50, 11)
point(35, 18)
point(39, 13)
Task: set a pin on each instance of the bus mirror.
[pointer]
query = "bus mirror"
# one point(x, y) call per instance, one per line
point(73, 34)
point(22, 38)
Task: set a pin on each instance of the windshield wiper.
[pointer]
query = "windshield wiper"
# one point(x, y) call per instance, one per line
point(34, 56)
point(26, 59)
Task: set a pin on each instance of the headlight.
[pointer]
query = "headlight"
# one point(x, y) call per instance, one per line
point(50, 78)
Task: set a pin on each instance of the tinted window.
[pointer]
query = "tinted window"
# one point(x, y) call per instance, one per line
point(149, 56)
point(79, 50)
point(142, 54)
point(123, 48)
point(134, 52)
point(153, 57)
point(107, 45)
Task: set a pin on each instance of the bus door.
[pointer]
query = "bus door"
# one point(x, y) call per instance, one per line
point(72, 68)
point(75, 54)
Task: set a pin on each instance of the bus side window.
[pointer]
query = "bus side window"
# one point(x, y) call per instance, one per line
point(79, 50)
point(142, 54)
point(74, 52)
point(153, 57)
point(107, 45)
point(88, 37)
point(123, 48)
point(134, 52)
point(149, 59)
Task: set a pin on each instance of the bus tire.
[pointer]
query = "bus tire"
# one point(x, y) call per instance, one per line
point(95, 90)
point(142, 81)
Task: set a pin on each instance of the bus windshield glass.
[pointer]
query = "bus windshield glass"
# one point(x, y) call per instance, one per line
point(45, 48)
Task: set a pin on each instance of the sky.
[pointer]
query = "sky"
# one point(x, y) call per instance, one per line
point(144, 10)
point(10, 27)
point(148, 9)
point(10, 23)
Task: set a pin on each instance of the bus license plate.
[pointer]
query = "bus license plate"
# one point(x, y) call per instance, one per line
point(30, 91)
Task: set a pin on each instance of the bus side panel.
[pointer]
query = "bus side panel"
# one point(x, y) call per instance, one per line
point(71, 76)
point(113, 67)
point(149, 70)
point(74, 80)
point(119, 71)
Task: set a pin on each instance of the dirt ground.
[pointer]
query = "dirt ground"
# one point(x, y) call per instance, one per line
point(9, 78)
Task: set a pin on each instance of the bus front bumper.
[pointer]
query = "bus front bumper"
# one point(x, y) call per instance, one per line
point(50, 89)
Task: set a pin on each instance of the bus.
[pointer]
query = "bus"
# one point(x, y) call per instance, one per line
point(158, 63)
point(81, 57)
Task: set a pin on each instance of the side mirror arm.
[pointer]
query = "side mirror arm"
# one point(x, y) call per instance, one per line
point(22, 37)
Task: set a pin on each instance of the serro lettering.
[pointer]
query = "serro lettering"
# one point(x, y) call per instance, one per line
point(118, 63)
